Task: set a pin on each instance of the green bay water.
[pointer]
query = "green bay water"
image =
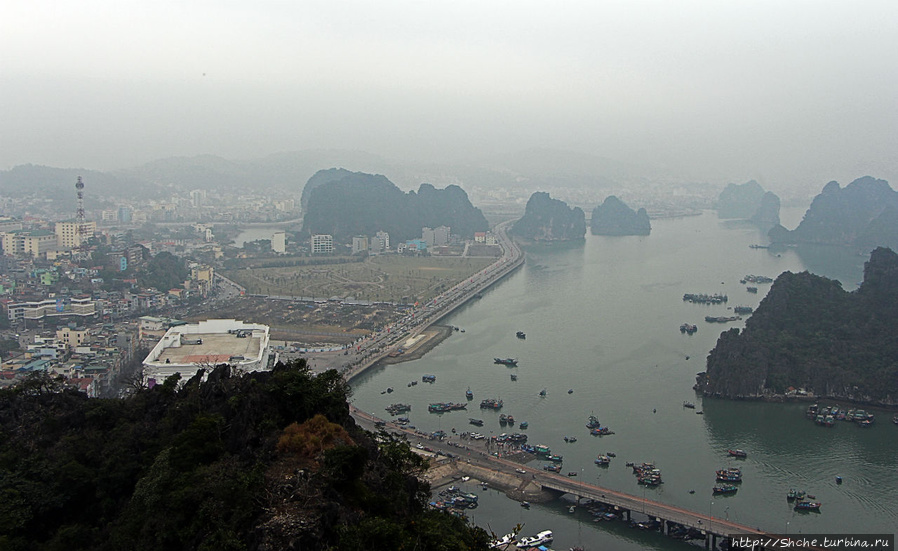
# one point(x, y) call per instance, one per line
point(602, 319)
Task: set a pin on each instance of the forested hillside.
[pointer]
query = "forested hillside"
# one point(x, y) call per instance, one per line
point(810, 333)
point(265, 461)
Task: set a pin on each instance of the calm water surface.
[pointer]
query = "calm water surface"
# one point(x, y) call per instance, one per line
point(602, 318)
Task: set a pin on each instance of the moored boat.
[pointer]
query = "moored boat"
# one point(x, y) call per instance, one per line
point(491, 403)
point(808, 506)
point(725, 489)
point(737, 453)
point(476, 422)
point(542, 538)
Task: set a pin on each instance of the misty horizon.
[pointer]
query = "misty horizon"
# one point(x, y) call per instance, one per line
point(788, 95)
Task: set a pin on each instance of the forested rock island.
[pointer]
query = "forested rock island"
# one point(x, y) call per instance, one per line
point(863, 214)
point(263, 461)
point(343, 204)
point(614, 217)
point(547, 219)
point(810, 333)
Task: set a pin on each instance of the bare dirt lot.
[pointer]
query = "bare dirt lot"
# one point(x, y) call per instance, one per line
point(388, 278)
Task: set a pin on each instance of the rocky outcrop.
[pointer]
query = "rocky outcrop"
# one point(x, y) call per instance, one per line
point(344, 204)
point(547, 219)
point(863, 214)
point(810, 333)
point(614, 217)
point(749, 201)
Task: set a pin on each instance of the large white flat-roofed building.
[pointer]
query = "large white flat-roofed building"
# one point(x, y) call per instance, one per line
point(186, 349)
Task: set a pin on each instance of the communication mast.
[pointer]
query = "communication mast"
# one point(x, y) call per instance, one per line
point(79, 218)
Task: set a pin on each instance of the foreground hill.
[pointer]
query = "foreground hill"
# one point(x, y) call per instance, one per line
point(265, 461)
point(863, 214)
point(344, 204)
point(810, 333)
point(547, 219)
point(614, 217)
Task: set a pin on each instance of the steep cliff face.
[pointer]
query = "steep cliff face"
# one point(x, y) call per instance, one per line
point(810, 333)
point(768, 214)
point(614, 217)
point(344, 204)
point(547, 219)
point(864, 214)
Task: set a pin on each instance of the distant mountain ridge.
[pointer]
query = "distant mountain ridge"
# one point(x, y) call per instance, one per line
point(614, 217)
point(862, 214)
point(810, 333)
point(344, 204)
point(547, 219)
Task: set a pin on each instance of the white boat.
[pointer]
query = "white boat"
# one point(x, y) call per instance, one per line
point(502, 542)
point(535, 541)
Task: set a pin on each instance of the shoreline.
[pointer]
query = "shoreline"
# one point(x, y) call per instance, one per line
point(433, 336)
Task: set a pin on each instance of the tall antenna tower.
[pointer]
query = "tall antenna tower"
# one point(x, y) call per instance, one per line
point(79, 216)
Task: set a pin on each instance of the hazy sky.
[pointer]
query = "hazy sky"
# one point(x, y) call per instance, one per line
point(776, 90)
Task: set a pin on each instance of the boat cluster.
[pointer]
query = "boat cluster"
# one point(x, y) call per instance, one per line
point(701, 298)
point(491, 403)
point(506, 419)
point(647, 474)
point(799, 497)
point(596, 428)
point(603, 460)
point(396, 409)
point(454, 500)
point(429, 378)
point(688, 328)
point(721, 319)
point(443, 407)
point(756, 279)
point(827, 416)
point(743, 309)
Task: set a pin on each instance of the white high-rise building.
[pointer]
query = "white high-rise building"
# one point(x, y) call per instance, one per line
point(279, 242)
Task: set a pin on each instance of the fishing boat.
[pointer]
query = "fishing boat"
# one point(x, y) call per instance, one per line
point(542, 393)
point(514, 377)
point(555, 458)
point(603, 461)
point(510, 419)
point(725, 489)
point(491, 403)
point(808, 506)
point(476, 422)
point(520, 335)
point(570, 439)
point(689, 405)
point(510, 362)
point(794, 494)
point(524, 424)
point(593, 422)
point(428, 378)
point(688, 328)
point(731, 474)
point(737, 453)
point(552, 468)
point(468, 394)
